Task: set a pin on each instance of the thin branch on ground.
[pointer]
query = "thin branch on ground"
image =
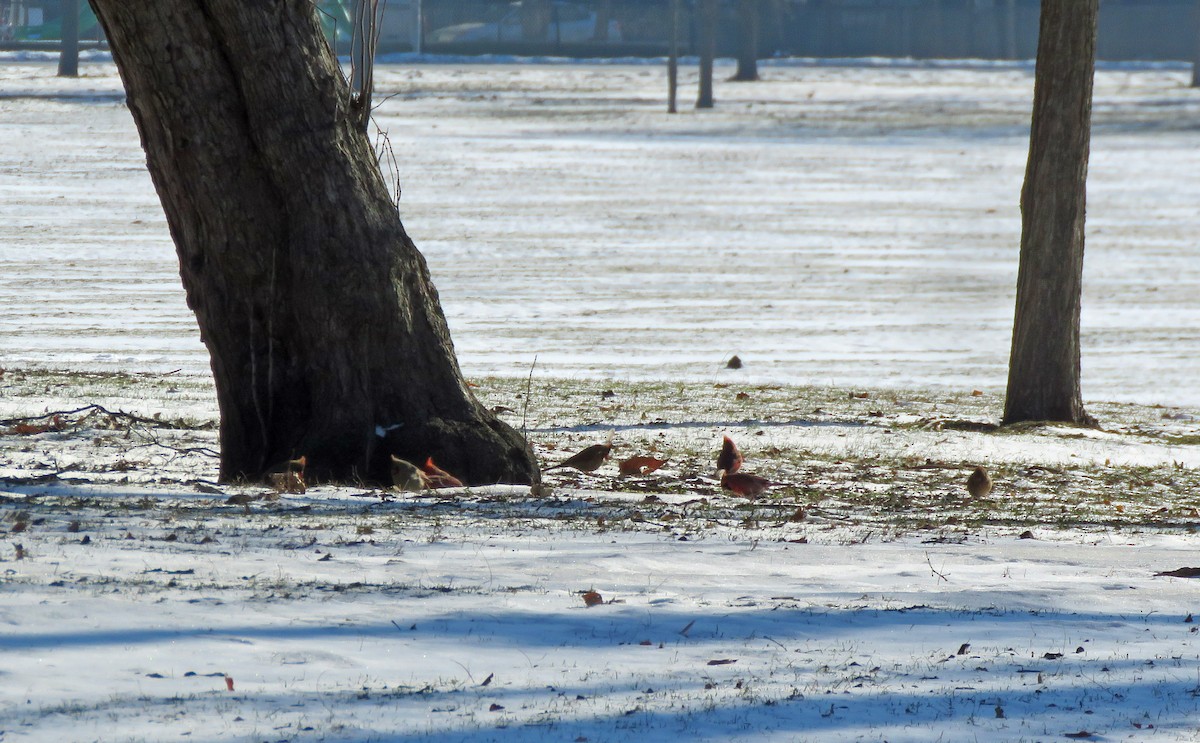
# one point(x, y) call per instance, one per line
point(94, 408)
point(932, 569)
point(525, 407)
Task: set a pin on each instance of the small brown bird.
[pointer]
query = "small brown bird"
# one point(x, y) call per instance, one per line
point(979, 484)
point(589, 459)
point(438, 477)
point(289, 476)
point(406, 476)
point(730, 459)
point(288, 482)
point(745, 484)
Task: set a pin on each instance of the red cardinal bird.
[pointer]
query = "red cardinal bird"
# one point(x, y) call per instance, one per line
point(730, 459)
point(438, 477)
point(588, 460)
point(745, 484)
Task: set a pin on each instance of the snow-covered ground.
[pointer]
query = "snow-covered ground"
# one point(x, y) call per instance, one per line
point(348, 619)
point(851, 226)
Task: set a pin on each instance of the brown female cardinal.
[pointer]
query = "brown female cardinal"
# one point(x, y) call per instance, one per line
point(745, 484)
point(406, 476)
point(979, 484)
point(588, 460)
point(289, 476)
point(438, 477)
point(730, 459)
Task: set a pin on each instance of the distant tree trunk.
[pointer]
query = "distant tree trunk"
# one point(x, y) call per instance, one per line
point(673, 58)
point(1196, 46)
point(535, 19)
point(747, 58)
point(419, 40)
point(1010, 29)
point(1043, 374)
point(324, 330)
point(68, 57)
point(603, 16)
point(708, 47)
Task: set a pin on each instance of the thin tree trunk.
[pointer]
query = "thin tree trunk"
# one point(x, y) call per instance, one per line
point(673, 58)
point(1043, 375)
point(1196, 46)
point(603, 16)
point(939, 24)
point(419, 40)
point(68, 58)
point(324, 330)
point(1010, 29)
point(747, 59)
point(535, 20)
point(708, 45)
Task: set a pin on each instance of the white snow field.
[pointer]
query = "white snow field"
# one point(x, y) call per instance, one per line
point(847, 226)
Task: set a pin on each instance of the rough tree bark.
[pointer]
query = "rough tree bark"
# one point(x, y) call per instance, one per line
point(1043, 373)
point(707, 42)
point(747, 57)
point(324, 330)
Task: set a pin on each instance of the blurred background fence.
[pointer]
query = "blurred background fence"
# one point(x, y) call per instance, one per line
point(948, 29)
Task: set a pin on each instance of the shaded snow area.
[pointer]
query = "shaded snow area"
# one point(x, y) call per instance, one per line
point(848, 230)
point(339, 620)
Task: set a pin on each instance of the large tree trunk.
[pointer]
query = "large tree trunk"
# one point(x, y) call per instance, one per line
point(1043, 374)
point(708, 48)
point(324, 330)
point(747, 58)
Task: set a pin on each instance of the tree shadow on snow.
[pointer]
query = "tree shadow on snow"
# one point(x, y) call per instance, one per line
point(783, 671)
